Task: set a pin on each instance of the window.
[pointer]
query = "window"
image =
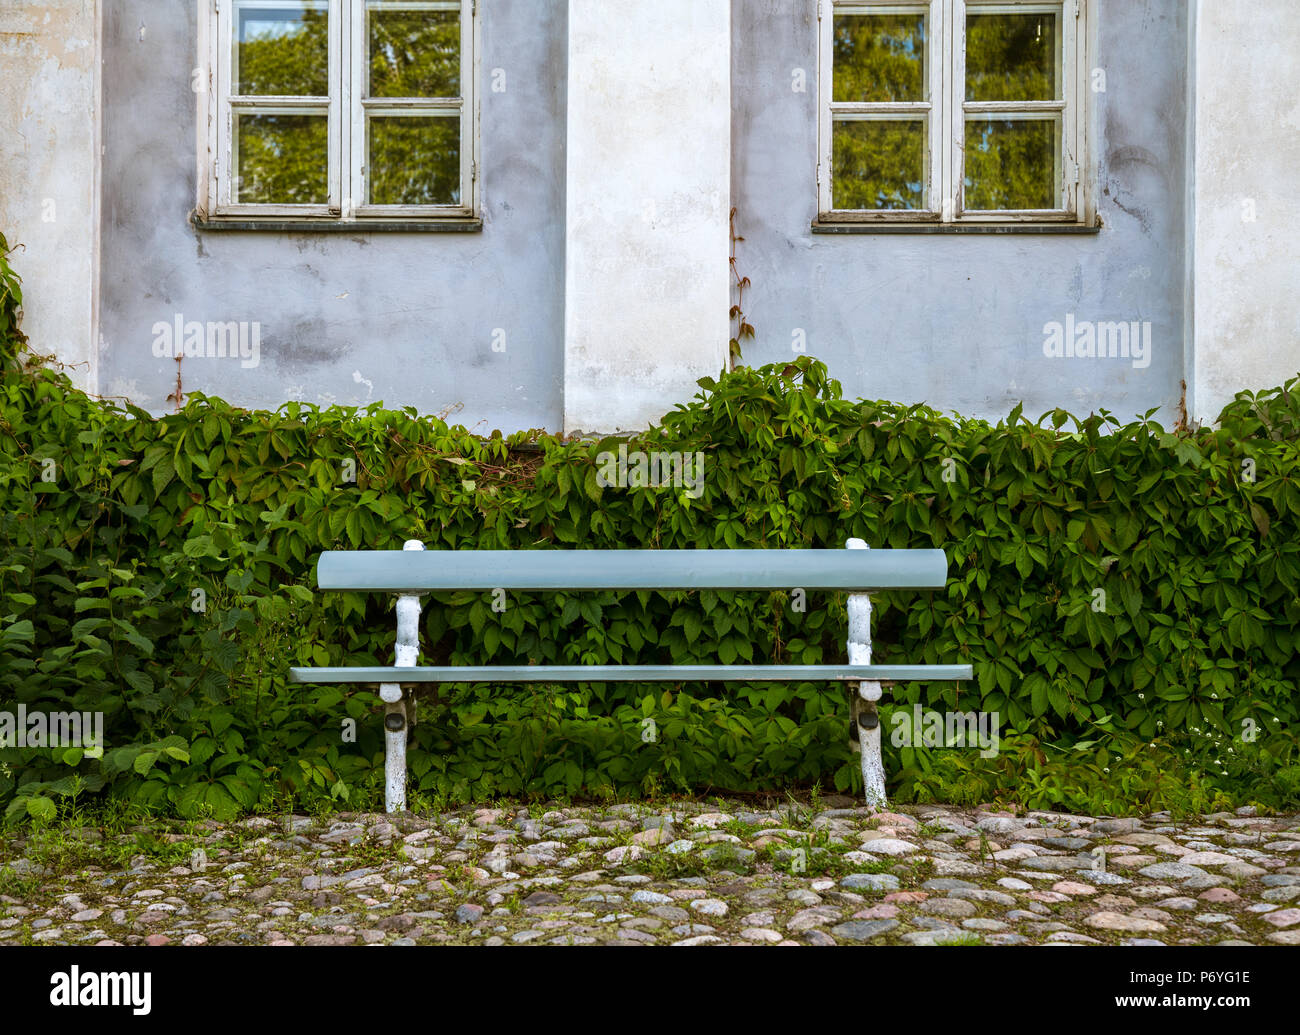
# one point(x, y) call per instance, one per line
point(952, 111)
point(339, 110)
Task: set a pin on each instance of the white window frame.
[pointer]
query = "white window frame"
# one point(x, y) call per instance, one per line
point(347, 108)
point(947, 109)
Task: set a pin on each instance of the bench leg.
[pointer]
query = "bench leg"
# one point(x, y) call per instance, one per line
point(395, 712)
point(865, 695)
point(395, 757)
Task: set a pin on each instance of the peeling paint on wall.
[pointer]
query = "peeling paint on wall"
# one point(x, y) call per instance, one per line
point(48, 193)
point(649, 159)
point(1247, 248)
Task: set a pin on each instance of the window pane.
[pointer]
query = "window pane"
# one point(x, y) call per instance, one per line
point(879, 164)
point(414, 160)
point(414, 53)
point(282, 50)
point(1012, 57)
point(880, 57)
point(282, 159)
point(1011, 164)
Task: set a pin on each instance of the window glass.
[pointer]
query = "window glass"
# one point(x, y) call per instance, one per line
point(880, 57)
point(879, 164)
point(1011, 163)
point(414, 160)
point(1012, 57)
point(413, 53)
point(282, 159)
point(281, 51)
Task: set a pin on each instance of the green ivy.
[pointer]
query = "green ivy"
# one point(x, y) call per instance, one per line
point(11, 300)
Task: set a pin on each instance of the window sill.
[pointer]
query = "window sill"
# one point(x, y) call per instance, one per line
point(338, 226)
point(953, 228)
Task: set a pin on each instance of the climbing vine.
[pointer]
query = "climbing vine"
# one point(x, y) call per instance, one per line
point(743, 329)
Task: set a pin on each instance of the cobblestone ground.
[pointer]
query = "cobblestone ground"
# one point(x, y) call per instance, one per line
point(681, 873)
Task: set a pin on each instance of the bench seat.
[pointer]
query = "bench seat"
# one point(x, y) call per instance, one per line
point(635, 674)
point(631, 674)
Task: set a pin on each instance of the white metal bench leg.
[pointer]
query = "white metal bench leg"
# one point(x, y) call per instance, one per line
point(395, 712)
point(865, 695)
point(395, 757)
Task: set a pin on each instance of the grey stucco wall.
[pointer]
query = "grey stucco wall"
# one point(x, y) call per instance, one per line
point(957, 321)
point(408, 319)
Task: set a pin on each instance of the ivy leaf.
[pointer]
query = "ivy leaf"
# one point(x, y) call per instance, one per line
point(200, 546)
point(225, 655)
point(1260, 517)
point(472, 715)
point(42, 809)
point(1038, 697)
point(163, 472)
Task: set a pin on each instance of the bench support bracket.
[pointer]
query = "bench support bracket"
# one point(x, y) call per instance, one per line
point(865, 738)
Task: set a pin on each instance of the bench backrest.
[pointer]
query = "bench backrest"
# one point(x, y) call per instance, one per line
point(415, 571)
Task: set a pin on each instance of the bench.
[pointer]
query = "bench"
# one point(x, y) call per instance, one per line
point(412, 571)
